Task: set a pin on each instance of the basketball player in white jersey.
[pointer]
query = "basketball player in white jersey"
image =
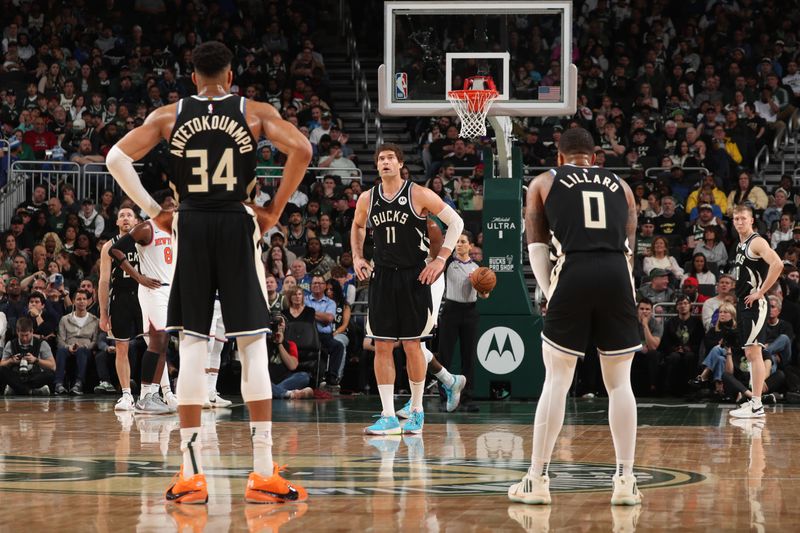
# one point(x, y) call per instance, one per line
point(216, 342)
point(154, 247)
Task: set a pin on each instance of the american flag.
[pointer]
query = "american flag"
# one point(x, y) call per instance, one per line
point(550, 93)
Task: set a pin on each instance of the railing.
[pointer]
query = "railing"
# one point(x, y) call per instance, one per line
point(759, 167)
point(655, 170)
point(88, 181)
point(358, 77)
point(528, 173)
point(272, 175)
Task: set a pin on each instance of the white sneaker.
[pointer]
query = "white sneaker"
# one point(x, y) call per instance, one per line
point(125, 403)
point(216, 401)
point(531, 490)
point(172, 401)
point(748, 410)
point(625, 491)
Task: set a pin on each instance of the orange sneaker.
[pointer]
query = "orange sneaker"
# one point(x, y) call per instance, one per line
point(193, 490)
point(188, 519)
point(272, 518)
point(273, 489)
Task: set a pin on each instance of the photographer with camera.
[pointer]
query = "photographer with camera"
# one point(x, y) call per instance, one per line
point(27, 366)
point(283, 361)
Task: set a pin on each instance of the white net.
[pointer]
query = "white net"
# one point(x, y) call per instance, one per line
point(472, 107)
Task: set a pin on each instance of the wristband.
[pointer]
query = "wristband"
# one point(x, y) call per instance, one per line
point(443, 258)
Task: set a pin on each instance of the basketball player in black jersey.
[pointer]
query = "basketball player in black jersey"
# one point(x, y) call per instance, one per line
point(216, 237)
point(120, 313)
point(589, 216)
point(400, 305)
point(757, 268)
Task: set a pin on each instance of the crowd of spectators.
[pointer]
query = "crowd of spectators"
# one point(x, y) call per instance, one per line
point(74, 81)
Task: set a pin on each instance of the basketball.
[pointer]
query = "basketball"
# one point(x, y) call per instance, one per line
point(484, 279)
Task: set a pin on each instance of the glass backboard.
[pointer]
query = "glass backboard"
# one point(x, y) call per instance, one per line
point(432, 46)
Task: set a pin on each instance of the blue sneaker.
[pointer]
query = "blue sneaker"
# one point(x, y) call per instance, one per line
point(386, 425)
point(405, 412)
point(454, 393)
point(416, 420)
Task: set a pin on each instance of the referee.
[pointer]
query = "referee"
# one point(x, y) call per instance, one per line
point(459, 320)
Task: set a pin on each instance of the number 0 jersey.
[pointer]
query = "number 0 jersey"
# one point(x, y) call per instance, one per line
point(212, 152)
point(155, 258)
point(587, 210)
point(399, 234)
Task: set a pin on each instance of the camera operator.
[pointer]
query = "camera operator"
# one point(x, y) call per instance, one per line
point(283, 360)
point(27, 366)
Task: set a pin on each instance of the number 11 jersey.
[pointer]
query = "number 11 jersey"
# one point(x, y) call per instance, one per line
point(587, 210)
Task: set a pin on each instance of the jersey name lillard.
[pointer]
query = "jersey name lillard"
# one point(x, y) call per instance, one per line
point(570, 180)
point(216, 123)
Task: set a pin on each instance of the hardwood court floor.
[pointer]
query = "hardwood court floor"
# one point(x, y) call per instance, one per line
point(75, 465)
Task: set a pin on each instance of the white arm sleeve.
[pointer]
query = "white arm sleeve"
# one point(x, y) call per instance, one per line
point(121, 167)
point(454, 224)
point(539, 257)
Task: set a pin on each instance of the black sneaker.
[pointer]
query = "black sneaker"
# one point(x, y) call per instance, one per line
point(769, 399)
point(77, 389)
point(60, 389)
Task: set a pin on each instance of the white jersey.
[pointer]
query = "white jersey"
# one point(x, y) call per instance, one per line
point(156, 258)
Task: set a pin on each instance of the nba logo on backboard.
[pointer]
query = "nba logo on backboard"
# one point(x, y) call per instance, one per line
point(401, 86)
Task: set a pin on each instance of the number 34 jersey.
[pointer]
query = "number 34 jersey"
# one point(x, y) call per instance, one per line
point(587, 210)
point(212, 153)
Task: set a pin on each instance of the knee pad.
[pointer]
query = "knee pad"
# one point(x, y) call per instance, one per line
point(255, 368)
point(192, 385)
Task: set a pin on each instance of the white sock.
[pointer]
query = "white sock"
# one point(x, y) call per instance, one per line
point(165, 385)
point(190, 446)
point(261, 434)
point(146, 389)
point(126, 390)
point(445, 377)
point(756, 401)
point(387, 399)
point(211, 377)
point(622, 416)
point(559, 369)
point(417, 389)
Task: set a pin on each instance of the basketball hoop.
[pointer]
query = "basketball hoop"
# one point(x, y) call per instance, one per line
point(472, 106)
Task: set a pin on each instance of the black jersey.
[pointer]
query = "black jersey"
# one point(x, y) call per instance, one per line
point(400, 235)
point(212, 152)
point(120, 280)
point(749, 271)
point(587, 210)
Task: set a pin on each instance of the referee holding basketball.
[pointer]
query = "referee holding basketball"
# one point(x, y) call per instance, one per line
point(459, 320)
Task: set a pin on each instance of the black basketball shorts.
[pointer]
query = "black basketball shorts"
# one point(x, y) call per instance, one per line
point(400, 306)
point(126, 316)
point(217, 250)
point(592, 303)
point(751, 323)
